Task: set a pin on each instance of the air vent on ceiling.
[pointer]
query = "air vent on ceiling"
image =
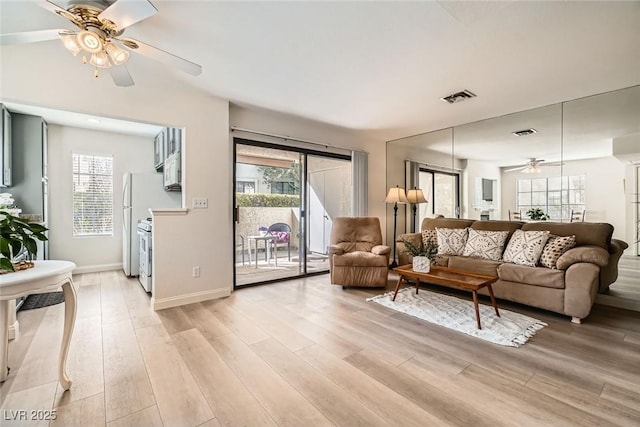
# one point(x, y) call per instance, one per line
point(459, 96)
point(524, 132)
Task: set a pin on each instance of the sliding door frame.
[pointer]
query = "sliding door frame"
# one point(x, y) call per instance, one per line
point(304, 205)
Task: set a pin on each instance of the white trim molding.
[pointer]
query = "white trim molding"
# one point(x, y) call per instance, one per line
point(161, 304)
point(97, 268)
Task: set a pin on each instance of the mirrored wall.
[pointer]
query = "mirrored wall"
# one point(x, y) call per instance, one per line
point(579, 156)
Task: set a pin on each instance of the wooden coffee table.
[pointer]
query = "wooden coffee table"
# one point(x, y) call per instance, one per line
point(450, 277)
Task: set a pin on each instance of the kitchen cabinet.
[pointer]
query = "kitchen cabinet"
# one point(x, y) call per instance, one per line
point(5, 150)
point(174, 141)
point(30, 189)
point(159, 149)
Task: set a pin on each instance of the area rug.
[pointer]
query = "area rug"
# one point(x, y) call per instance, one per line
point(42, 300)
point(510, 329)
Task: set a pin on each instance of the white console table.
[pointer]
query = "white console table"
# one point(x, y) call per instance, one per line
point(45, 276)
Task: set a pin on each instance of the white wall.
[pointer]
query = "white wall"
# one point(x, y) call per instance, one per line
point(605, 195)
point(130, 154)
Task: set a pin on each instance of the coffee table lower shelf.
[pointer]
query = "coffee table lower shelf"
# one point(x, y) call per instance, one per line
point(450, 277)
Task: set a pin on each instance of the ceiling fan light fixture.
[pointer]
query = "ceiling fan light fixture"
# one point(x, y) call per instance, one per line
point(118, 56)
point(71, 44)
point(532, 169)
point(100, 60)
point(89, 41)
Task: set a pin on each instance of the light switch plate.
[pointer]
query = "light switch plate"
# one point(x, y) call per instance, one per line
point(200, 203)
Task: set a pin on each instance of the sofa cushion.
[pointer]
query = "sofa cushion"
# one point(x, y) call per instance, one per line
point(587, 233)
point(359, 259)
point(494, 225)
point(485, 244)
point(555, 247)
point(433, 223)
point(536, 276)
point(429, 236)
point(591, 254)
point(476, 265)
point(525, 247)
point(451, 241)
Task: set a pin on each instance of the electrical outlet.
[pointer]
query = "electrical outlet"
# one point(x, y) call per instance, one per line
point(196, 271)
point(200, 203)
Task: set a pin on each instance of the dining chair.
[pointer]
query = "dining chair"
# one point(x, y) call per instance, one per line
point(576, 216)
point(515, 215)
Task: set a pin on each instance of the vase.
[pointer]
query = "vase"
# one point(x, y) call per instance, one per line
point(421, 264)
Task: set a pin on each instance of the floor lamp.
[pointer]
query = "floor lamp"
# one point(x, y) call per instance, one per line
point(396, 195)
point(415, 197)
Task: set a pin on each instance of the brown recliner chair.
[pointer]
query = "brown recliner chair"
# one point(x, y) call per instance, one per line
point(357, 256)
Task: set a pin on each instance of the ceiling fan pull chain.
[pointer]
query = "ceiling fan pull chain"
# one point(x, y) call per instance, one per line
point(84, 59)
point(95, 73)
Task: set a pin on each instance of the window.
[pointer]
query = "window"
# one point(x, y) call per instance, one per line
point(92, 195)
point(283, 187)
point(245, 187)
point(556, 196)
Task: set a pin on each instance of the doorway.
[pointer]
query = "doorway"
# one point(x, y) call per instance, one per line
point(284, 202)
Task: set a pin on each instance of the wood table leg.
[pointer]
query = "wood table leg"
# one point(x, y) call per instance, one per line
point(493, 300)
point(397, 287)
point(4, 339)
point(417, 285)
point(69, 321)
point(475, 303)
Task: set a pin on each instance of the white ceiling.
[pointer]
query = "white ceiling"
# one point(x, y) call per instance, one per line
point(381, 67)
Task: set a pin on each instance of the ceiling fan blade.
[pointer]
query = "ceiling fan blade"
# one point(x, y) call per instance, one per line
point(552, 164)
point(29, 37)
point(121, 76)
point(164, 57)
point(516, 169)
point(124, 13)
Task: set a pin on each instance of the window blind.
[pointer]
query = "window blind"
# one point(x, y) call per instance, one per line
point(92, 194)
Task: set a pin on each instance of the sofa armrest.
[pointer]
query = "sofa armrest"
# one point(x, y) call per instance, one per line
point(581, 288)
point(590, 254)
point(380, 250)
point(335, 250)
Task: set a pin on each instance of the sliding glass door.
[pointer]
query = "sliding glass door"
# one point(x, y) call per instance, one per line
point(284, 202)
point(329, 195)
point(442, 190)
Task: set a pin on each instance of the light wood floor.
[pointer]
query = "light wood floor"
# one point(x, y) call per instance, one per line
point(304, 353)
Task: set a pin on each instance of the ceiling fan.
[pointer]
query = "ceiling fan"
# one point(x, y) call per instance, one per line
point(100, 25)
point(533, 166)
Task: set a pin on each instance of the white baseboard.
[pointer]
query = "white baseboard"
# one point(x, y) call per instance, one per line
point(625, 303)
point(160, 304)
point(97, 268)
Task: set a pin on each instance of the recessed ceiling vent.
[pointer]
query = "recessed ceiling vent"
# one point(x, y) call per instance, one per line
point(459, 96)
point(524, 132)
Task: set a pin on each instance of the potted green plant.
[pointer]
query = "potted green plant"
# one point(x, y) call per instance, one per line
point(423, 254)
point(537, 214)
point(16, 234)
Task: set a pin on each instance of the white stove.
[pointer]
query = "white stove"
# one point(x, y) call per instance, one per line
point(144, 238)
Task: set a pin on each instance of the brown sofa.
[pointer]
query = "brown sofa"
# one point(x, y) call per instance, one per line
point(357, 256)
point(582, 272)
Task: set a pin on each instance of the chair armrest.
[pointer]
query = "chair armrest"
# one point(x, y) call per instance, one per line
point(335, 250)
point(380, 250)
point(591, 254)
point(415, 238)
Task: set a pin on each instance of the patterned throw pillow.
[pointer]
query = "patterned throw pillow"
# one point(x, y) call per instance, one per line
point(451, 241)
point(554, 248)
point(485, 244)
point(429, 236)
point(525, 247)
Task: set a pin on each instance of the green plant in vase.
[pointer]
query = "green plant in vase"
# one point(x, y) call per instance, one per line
point(537, 214)
point(16, 233)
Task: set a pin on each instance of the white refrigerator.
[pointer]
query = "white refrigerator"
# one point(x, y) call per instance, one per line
point(140, 192)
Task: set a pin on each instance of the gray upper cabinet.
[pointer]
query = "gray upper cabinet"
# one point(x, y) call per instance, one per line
point(159, 149)
point(5, 149)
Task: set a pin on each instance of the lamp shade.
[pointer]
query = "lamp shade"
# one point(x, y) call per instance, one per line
point(396, 195)
point(416, 196)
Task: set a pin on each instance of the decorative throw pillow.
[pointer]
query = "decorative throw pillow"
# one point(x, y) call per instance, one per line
point(451, 241)
point(429, 236)
point(554, 248)
point(485, 244)
point(525, 247)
